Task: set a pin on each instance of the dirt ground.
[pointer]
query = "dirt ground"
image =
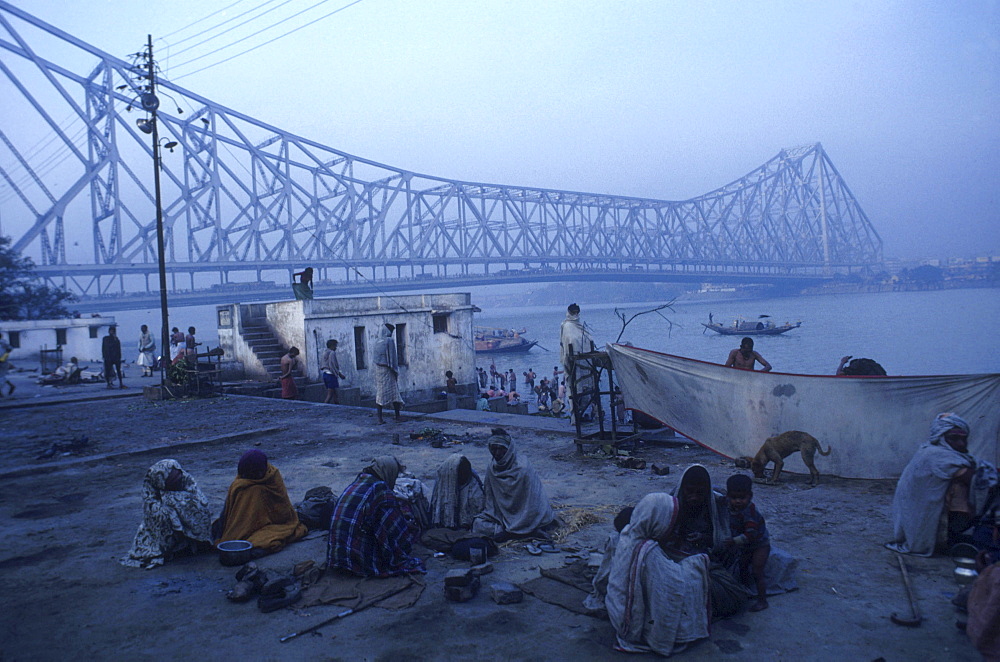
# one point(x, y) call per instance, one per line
point(69, 518)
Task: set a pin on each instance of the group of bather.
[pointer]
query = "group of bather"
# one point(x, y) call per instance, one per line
point(374, 523)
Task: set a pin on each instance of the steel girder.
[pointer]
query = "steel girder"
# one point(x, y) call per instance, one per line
point(242, 194)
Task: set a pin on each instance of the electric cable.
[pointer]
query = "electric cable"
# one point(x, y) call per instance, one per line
point(227, 30)
point(336, 11)
point(203, 18)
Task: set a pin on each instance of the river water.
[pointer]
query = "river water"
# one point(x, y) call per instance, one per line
point(909, 333)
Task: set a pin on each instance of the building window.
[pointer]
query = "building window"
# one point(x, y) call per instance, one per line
point(440, 322)
point(60, 336)
point(95, 331)
point(401, 344)
point(14, 339)
point(359, 348)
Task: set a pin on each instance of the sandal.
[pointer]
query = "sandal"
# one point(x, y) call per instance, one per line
point(533, 549)
point(548, 548)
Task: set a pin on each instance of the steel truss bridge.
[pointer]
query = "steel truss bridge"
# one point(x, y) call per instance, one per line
point(244, 201)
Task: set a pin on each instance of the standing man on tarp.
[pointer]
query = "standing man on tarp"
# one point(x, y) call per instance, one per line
point(574, 337)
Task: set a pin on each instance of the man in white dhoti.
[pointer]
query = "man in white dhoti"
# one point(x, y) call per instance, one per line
point(387, 373)
point(574, 338)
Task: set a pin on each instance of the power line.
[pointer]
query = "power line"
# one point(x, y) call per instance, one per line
point(249, 20)
point(203, 18)
point(336, 11)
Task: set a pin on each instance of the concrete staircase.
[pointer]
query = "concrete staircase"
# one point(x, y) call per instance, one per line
point(263, 343)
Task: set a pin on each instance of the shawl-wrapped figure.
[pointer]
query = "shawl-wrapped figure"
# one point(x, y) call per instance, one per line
point(386, 370)
point(654, 602)
point(370, 535)
point(516, 503)
point(258, 508)
point(175, 517)
point(458, 494)
point(574, 335)
point(919, 502)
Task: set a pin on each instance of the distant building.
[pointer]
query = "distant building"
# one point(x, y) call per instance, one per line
point(433, 334)
point(79, 337)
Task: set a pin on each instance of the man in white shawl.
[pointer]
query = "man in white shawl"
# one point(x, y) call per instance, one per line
point(656, 603)
point(458, 494)
point(386, 373)
point(934, 489)
point(517, 504)
point(574, 338)
point(175, 517)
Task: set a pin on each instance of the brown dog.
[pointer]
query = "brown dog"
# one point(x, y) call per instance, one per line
point(777, 448)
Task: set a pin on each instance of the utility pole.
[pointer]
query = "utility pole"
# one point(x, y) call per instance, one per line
point(150, 102)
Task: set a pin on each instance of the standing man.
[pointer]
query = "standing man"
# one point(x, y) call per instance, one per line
point(745, 358)
point(332, 375)
point(5, 349)
point(147, 349)
point(289, 363)
point(111, 352)
point(190, 344)
point(574, 338)
point(387, 373)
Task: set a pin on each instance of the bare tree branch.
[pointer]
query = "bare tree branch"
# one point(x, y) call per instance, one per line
point(628, 320)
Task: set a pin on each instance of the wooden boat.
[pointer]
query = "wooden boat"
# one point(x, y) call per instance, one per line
point(762, 326)
point(490, 340)
point(873, 424)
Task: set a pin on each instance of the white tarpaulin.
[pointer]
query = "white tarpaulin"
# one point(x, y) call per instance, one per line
point(874, 424)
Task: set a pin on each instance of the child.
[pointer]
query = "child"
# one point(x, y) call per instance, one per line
point(451, 384)
point(750, 545)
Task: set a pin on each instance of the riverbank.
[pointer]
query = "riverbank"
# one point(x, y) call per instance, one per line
point(68, 523)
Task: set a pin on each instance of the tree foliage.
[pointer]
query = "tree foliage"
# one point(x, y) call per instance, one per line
point(22, 294)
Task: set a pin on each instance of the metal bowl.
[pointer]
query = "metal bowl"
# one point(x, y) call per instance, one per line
point(965, 576)
point(965, 562)
point(235, 552)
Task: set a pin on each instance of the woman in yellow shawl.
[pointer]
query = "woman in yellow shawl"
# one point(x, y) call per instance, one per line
point(258, 508)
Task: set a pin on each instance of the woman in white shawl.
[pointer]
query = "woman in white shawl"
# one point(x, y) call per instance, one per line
point(656, 603)
point(516, 502)
point(923, 489)
point(175, 517)
point(458, 494)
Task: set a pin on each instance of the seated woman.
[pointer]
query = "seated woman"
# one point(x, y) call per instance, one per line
point(458, 494)
point(703, 528)
point(370, 535)
point(175, 517)
point(258, 508)
point(936, 481)
point(516, 504)
point(656, 603)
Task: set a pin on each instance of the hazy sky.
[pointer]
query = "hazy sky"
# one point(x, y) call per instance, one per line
point(657, 99)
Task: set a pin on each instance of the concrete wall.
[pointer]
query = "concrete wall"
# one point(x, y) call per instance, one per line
point(34, 335)
point(309, 324)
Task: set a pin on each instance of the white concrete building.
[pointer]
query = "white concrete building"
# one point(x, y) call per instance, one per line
point(79, 337)
point(433, 334)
